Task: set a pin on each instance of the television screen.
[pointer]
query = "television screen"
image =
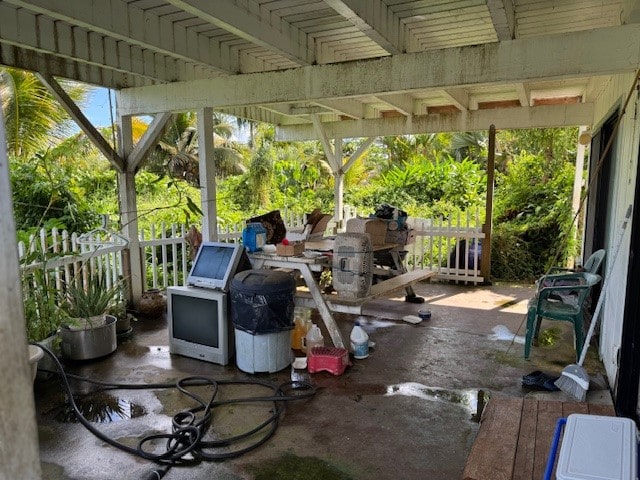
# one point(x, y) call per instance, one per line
point(199, 325)
point(214, 265)
point(195, 320)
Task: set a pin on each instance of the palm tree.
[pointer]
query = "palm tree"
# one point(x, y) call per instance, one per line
point(34, 120)
point(177, 152)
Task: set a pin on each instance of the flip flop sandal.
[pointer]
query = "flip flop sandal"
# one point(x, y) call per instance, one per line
point(550, 385)
point(532, 378)
point(541, 382)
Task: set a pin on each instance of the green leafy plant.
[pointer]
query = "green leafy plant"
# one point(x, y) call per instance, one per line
point(42, 314)
point(92, 299)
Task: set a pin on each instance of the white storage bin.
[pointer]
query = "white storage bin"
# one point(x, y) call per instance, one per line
point(268, 352)
point(596, 447)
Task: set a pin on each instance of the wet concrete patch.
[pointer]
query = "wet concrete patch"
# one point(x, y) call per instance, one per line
point(101, 408)
point(501, 332)
point(472, 400)
point(293, 467)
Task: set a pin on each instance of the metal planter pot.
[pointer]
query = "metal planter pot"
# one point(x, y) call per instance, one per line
point(90, 343)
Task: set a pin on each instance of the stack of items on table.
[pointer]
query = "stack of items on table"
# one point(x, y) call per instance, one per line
point(269, 229)
point(397, 232)
point(396, 222)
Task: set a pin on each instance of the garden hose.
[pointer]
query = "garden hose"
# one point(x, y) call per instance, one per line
point(185, 445)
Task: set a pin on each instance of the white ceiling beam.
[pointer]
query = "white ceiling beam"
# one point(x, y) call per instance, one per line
point(374, 19)
point(126, 23)
point(148, 141)
point(503, 18)
point(458, 97)
point(544, 116)
point(524, 94)
point(630, 11)
point(83, 122)
point(284, 39)
point(344, 106)
point(28, 31)
point(362, 148)
point(572, 55)
point(321, 134)
point(26, 59)
point(401, 102)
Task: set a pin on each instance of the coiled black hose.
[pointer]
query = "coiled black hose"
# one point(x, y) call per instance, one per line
point(184, 444)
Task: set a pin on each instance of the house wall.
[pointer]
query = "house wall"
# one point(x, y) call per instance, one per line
point(623, 176)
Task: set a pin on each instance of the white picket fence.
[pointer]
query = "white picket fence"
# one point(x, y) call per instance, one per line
point(449, 247)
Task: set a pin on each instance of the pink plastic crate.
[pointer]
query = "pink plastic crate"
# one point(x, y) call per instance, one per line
point(329, 359)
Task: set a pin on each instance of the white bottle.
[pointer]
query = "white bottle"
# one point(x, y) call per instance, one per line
point(359, 341)
point(314, 338)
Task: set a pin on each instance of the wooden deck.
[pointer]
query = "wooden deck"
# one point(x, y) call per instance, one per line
point(515, 436)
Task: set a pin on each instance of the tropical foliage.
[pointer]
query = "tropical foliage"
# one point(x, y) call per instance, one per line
point(63, 180)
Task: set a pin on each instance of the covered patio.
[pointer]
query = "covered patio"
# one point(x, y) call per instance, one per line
point(410, 410)
point(331, 70)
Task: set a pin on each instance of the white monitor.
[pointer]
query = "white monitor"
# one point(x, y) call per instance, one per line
point(199, 325)
point(215, 265)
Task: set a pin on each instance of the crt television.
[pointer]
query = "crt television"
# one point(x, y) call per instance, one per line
point(215, 265)
point(199, 325)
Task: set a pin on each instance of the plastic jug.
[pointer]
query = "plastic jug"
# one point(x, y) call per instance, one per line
point(254, 236)
point(298, 333)
point(314, 338)
point(359, 341)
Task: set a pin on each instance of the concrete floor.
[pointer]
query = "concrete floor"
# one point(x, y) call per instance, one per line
point(408, 411)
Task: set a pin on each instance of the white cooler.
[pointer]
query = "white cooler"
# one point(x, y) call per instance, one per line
point(596, 447)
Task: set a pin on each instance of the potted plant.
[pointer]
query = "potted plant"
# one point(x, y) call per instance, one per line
point(90, 331)
point(123, 317)
point(43, 316)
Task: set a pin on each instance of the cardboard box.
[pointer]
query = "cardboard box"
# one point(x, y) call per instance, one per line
point(291, 250)
point(401, 237)
point(376, 228)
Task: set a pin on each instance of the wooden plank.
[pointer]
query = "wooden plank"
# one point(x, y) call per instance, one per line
point(523, 465)
point(336, 302)
point(548, 415)
point(493, 451)
point(400, 281)
point(574, 407)
point(601, 409)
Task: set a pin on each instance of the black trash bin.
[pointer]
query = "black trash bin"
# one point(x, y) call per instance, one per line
point(262, 305)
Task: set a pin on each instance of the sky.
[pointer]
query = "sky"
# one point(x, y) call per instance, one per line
point(97, 107)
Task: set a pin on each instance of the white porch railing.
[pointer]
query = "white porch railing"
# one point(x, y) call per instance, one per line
point(452, 248)
point(449, 247)
point(67, 260)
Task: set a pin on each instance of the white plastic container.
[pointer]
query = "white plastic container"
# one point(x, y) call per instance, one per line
point(359, 341)
point(269, 352)
point(313, 338)
point(596, 447)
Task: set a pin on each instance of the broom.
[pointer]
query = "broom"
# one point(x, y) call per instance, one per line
point(574, 379)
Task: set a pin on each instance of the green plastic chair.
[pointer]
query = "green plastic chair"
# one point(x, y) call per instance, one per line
point(592, 265)
point(564, 300)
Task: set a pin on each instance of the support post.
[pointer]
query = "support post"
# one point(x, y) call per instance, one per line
point(131, 257)
point(19, 453)
point(338, 186)
point(207, 174)
point(583, 140)
point(485, 262)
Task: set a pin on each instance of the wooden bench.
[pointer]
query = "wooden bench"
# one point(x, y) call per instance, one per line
point(514, 439)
